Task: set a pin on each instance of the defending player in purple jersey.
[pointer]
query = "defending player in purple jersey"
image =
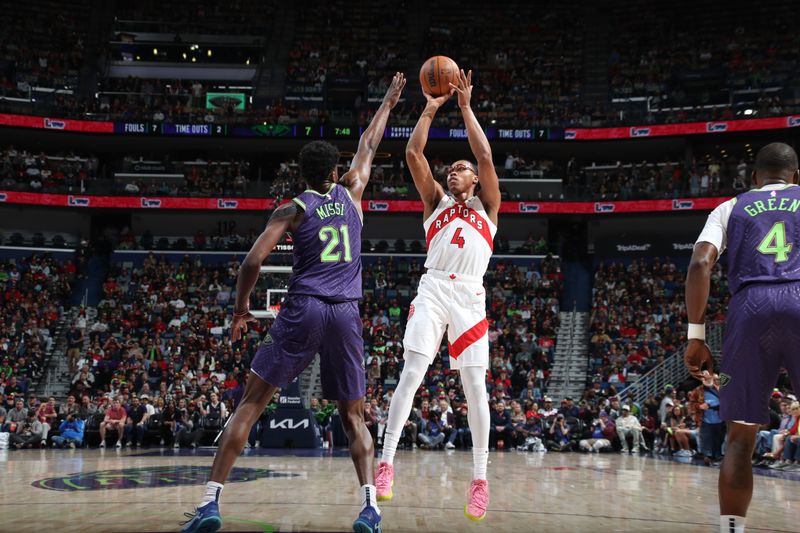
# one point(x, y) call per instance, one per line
point(319, 315)
point(761, 229)
point(763, 225)
point(327, 251)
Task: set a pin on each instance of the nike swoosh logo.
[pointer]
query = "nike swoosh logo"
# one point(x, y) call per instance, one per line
point(478, 293)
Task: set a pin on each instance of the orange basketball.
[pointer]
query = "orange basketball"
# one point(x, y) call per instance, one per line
point(436, 75)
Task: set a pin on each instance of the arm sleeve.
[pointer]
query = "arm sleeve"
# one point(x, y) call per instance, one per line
point(716, 229)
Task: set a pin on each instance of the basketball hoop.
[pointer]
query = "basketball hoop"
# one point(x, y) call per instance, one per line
point(274, 296)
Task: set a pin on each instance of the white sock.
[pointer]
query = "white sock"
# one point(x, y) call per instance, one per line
point(414, 370)
point(473, 379)
point(213, 491)
point(730, 523)
point(480, 458)
point(390, 440)
point(368, 497)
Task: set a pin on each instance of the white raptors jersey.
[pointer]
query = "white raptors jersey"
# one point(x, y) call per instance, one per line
point(460, 237)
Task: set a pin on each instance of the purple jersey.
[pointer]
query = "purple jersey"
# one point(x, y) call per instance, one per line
point(327, 247)
point(763, 230)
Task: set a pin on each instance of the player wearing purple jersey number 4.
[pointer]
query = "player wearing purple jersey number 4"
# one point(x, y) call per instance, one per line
point(761, 231)
point(319, 315)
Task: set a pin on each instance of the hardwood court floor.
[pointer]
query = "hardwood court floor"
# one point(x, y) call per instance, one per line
point(305, 490)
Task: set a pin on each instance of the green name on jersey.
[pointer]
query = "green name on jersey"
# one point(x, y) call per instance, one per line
point(328, 210)
point(772, 204)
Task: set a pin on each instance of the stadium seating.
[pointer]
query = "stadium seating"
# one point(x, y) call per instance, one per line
point(639, 317)
point(698, 62)
point(34, 293)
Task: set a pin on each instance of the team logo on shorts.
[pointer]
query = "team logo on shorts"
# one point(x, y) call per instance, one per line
point(140, 478)
point(268, 340)
point(724, 379)
point(410, 311)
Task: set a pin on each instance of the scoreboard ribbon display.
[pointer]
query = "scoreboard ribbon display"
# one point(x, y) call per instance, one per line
point(84, 201)
point(394, 132)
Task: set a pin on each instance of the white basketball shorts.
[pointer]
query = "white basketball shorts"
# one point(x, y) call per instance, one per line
point(456, 303)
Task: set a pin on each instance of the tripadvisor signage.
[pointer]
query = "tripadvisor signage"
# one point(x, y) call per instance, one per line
point(643, 247)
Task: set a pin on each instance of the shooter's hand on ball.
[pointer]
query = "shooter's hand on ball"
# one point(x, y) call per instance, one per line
point(698, 359)
point(395, 89)
point(239, 324)
point(463, 88)
point(437, 102)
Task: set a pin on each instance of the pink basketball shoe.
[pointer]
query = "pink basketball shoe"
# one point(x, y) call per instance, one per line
point(478, 502)
point(384, 480)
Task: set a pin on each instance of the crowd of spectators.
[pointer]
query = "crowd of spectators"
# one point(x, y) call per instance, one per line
point(639, 317)
point(23, 170)
point(39, 172)
point(525, 74)
point(696, 57)
point(778, 443)
point(721, 175)
point(527, 65)
point(34, 292)
point(325, 58)
point(41, 48)
point(201, 17)
point(158, 100)
point(158, 348)
point(156, 365)
point(160, 339)
point(199, 178)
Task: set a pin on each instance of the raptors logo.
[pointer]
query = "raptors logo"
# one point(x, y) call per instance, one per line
point(410, 311)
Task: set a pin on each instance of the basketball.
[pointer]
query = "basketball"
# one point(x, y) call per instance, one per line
point(436, 75)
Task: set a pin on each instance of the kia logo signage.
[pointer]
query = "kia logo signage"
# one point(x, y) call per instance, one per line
point(288, 423)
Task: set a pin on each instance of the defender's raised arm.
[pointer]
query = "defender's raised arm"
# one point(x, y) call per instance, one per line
point(357, 177)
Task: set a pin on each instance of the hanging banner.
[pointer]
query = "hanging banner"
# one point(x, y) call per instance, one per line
point(301, 131)
point(372, 206)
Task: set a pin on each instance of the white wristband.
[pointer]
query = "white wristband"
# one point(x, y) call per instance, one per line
point(697, 331)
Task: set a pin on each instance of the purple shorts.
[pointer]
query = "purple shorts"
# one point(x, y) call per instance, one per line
point(307, 326)
point(762, 334)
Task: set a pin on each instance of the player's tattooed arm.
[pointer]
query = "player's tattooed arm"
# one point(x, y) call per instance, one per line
point(286, 210)
point(281, 221)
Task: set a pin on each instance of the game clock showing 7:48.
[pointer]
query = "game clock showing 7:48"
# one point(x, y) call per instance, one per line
point(326, 132)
